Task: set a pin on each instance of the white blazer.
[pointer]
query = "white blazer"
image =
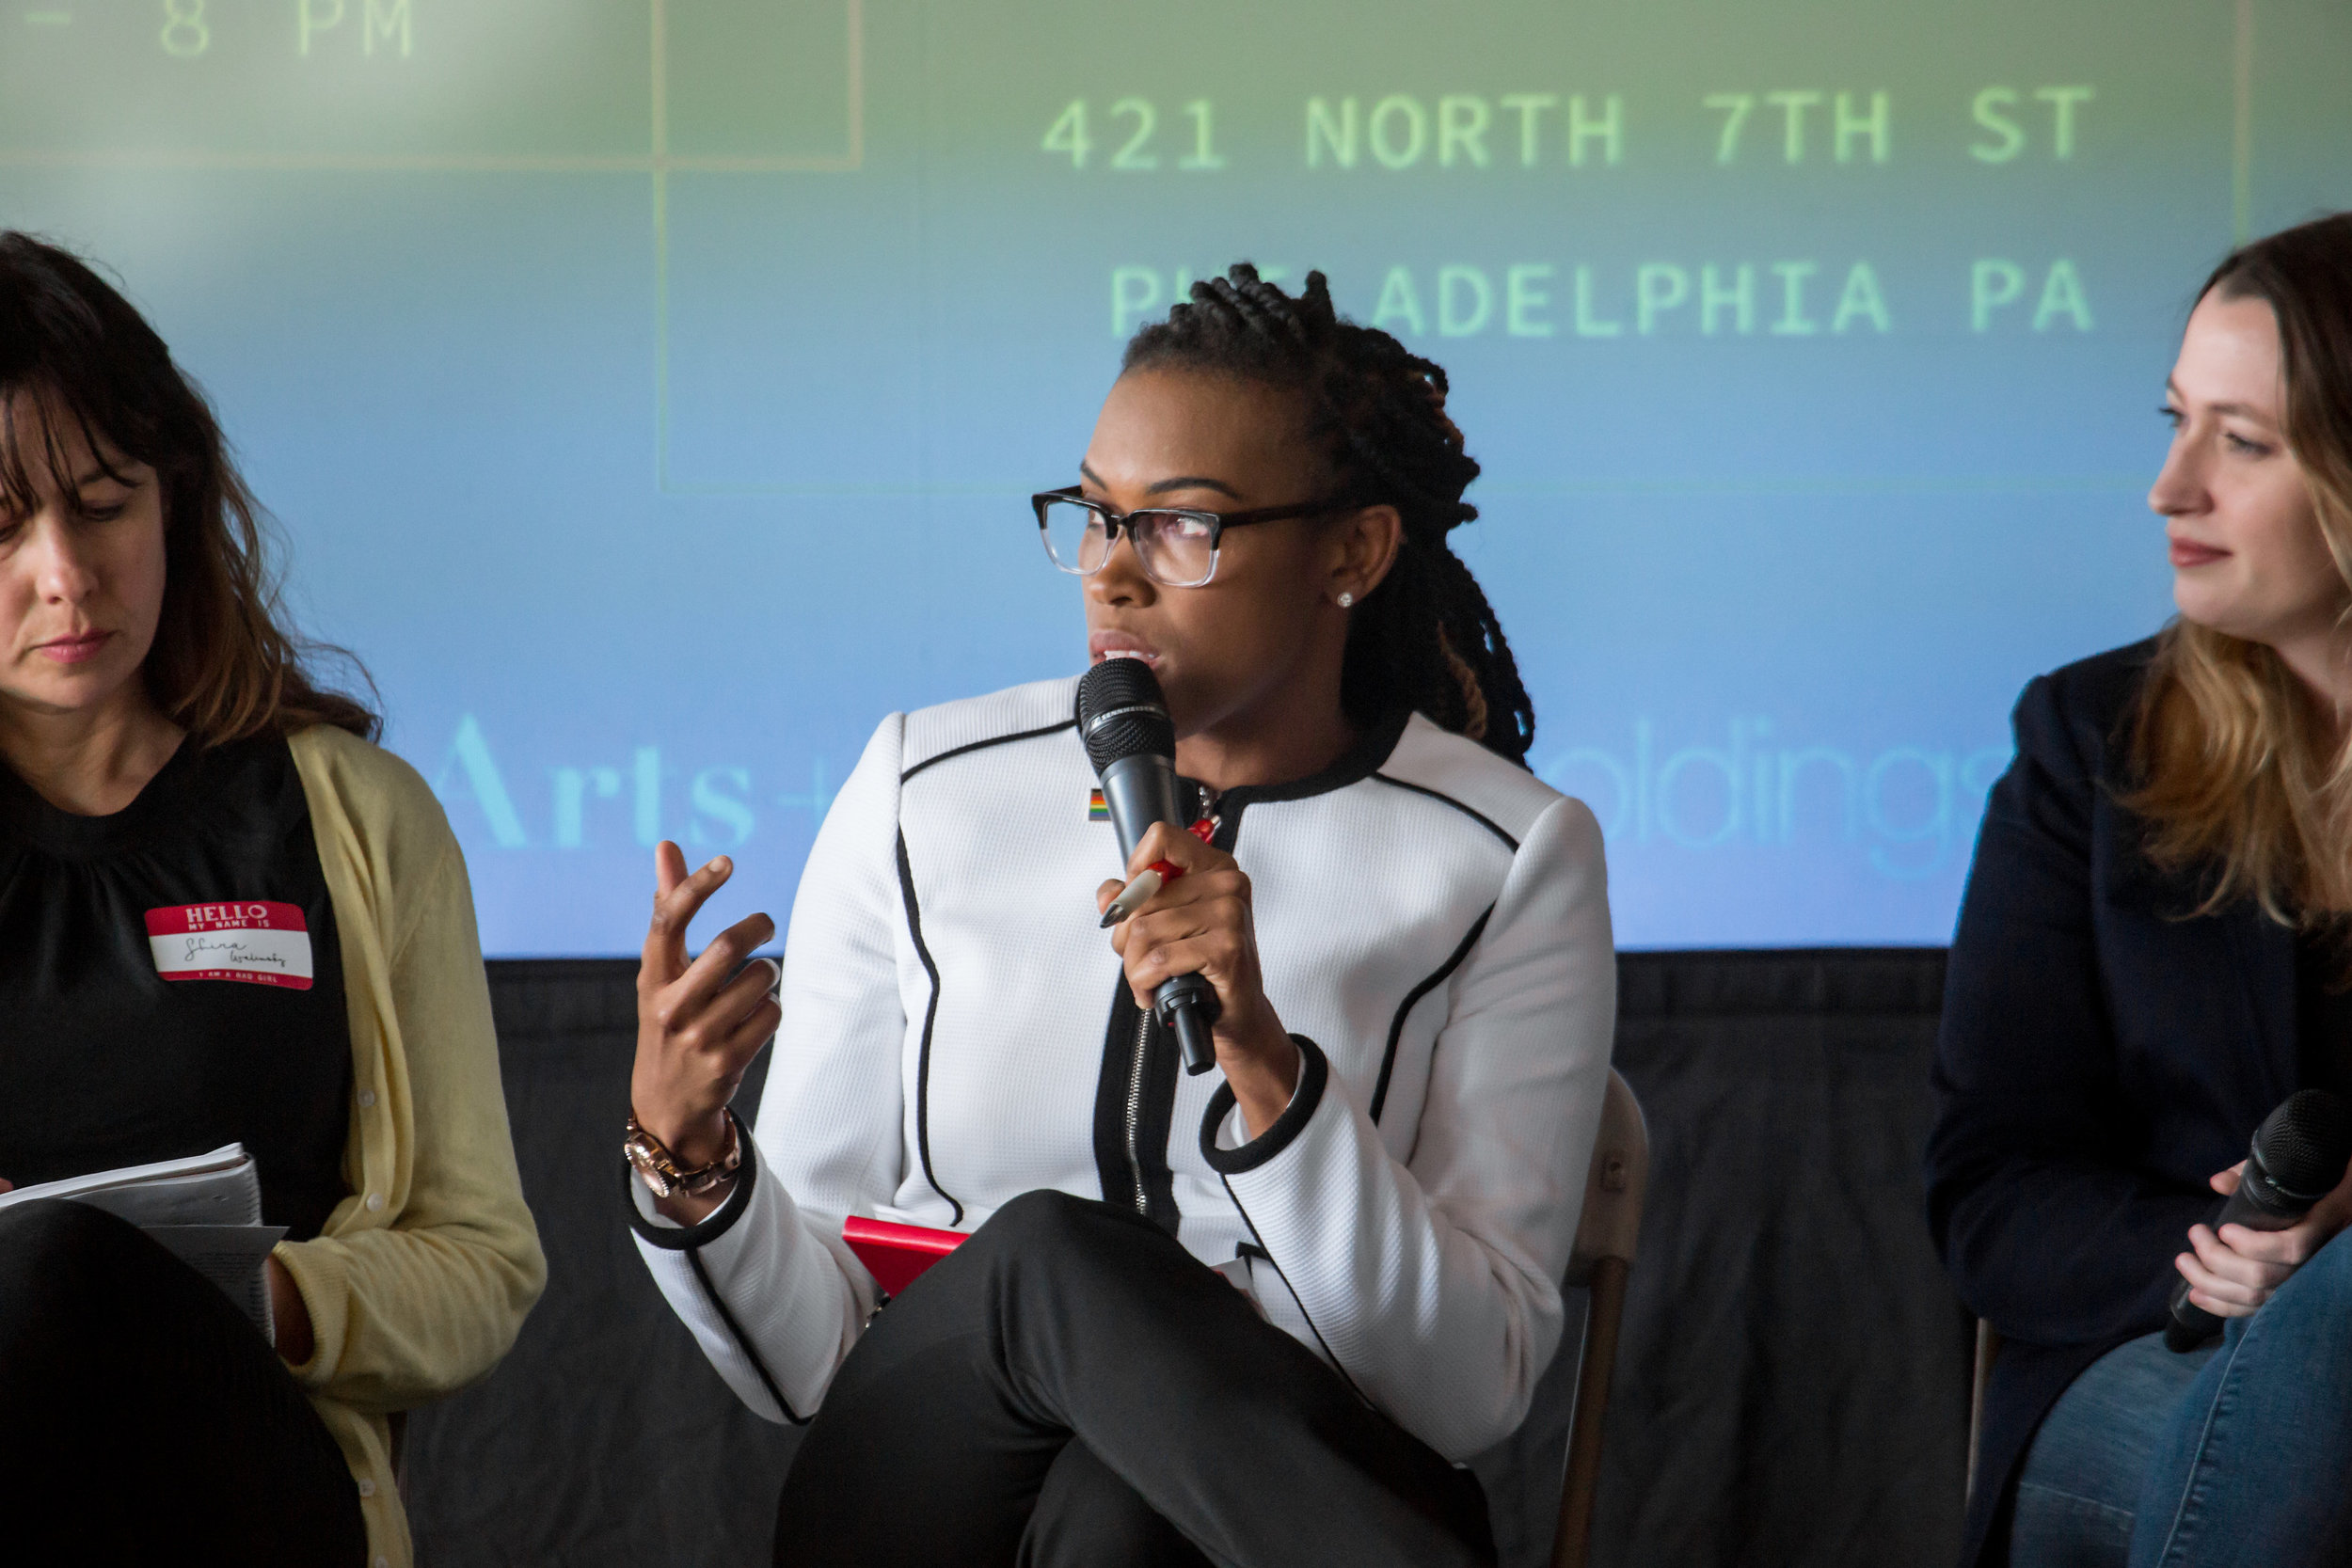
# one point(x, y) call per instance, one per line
point(1433, 925)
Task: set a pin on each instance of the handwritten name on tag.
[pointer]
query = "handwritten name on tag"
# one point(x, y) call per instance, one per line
point(250, 940)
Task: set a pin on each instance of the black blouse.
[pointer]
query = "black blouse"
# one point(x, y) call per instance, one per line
point(2323, 1008)
point(170, 982)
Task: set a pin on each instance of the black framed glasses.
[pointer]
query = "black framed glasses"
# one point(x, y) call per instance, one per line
point(1176, 546)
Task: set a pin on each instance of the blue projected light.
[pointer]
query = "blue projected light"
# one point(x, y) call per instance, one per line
point(650, 389)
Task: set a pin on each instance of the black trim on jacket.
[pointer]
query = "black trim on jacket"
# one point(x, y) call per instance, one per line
point(914, 929)
point(1412, 999)
point(1254, 1249)
point(686, 1238)
point(930, 1019)
point(1315, 1073)
point(691, 1239)
point(1360, 761)
point(983, 745)
point(743, 1340)
point(1478, 817)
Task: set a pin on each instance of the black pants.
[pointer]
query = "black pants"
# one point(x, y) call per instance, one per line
point(1072, 1388)
point(143, 1419)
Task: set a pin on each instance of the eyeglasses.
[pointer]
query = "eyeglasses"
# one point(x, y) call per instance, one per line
point(1176, 546)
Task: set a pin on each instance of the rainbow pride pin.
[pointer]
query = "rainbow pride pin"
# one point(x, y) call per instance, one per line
point(1098, 809)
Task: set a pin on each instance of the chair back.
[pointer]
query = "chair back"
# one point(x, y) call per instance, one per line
point(1606, 1232)
point(1988, 1349)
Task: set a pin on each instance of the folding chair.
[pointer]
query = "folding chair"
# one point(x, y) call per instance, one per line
point(1988, 1350)
point(1603, 1257)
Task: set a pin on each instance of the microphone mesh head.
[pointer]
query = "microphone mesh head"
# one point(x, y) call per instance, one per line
point(2304, 1145)
point(1122, 713)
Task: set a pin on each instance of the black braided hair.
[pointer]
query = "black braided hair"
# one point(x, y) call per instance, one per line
point(1426, 638)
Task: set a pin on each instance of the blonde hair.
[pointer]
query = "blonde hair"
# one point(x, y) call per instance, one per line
point(2235, 774)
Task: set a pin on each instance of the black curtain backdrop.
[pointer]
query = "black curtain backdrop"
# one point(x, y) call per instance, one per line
point(1792, 1384)
point(1791, 1387)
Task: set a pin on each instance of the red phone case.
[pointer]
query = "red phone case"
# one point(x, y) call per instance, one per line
point(897, 1253)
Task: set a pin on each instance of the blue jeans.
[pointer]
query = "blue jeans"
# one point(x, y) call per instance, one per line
point(2238, 1453)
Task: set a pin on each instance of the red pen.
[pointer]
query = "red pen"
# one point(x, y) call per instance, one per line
point(1150, 880)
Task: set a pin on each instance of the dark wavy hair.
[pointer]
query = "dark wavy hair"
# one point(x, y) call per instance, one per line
point(76, 356)
point(1426, 638)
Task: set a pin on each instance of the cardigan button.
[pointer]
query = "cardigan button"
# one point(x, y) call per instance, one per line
point(367, 1487)
point(375, 1201)
point(367, 1098)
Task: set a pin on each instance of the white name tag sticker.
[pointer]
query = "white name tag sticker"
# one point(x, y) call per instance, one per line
point(250, 939)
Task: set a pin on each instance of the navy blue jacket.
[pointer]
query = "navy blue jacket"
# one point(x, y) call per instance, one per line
point(2103, 1052)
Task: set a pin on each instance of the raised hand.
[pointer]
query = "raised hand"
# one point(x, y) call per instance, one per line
point(699, 1022)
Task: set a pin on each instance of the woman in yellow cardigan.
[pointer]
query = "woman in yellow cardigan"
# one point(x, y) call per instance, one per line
point(224, 915)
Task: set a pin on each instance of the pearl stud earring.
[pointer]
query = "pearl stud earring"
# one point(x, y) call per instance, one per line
point(1346, 599)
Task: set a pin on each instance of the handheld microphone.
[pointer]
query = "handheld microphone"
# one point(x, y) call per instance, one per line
point(1130, 740)
point(2299, 1155)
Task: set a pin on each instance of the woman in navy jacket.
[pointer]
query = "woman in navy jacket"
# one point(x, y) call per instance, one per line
point(2152, 953)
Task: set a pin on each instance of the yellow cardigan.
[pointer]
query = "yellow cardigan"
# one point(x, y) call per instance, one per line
point(423, 1275)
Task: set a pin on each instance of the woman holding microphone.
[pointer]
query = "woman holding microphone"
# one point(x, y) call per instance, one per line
point(2154, 951)
point(166, 758)
point(1247, 1317)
